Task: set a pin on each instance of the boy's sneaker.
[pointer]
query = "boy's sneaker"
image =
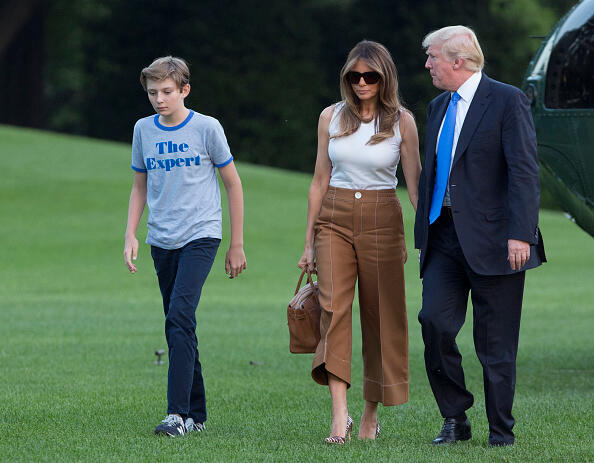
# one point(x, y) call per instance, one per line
point(192, 426)
point(172, 425)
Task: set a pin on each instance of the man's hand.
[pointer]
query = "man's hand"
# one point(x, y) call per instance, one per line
point(130, 252)
point(518, 253)
point(235, 262)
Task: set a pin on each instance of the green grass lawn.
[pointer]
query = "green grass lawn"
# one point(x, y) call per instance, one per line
point(78, 332)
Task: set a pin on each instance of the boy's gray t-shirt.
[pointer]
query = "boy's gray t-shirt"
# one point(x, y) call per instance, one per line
point(183, 194)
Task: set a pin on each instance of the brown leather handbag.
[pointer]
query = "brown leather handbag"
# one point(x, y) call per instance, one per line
point(303, 316)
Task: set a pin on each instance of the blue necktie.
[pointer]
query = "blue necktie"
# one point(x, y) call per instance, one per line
point(444, 157)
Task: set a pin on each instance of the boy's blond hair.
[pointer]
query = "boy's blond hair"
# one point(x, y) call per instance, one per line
point(165, 67)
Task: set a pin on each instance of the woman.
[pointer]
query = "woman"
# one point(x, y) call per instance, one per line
point(355, 231)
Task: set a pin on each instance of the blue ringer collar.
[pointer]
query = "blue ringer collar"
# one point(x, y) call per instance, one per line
point(176, 127)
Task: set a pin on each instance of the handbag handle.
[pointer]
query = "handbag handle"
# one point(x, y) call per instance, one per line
point(309, 280)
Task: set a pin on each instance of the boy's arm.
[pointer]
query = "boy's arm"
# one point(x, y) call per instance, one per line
point(135, 210)
point(235, 259)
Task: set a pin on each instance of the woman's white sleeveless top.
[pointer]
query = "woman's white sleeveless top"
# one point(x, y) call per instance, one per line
point(360, 166)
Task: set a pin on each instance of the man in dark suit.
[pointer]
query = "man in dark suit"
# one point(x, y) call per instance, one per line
point(476, 228)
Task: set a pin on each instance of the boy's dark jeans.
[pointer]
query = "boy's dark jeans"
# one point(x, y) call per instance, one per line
point(181, 273)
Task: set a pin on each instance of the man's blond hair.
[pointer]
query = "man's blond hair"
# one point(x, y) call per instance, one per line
point(458, 42)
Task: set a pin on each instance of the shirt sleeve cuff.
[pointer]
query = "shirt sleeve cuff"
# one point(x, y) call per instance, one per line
point(228, 161)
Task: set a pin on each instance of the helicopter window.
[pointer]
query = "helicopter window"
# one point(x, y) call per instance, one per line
point(570, 74)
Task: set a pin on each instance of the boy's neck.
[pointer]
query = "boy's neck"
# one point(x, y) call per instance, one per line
point(174, 119)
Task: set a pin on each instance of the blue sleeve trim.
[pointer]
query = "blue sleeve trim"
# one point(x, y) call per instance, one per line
point(137, 169)
point(228, 161)
point(177, 127)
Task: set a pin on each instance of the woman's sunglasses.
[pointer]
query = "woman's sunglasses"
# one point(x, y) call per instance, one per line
point(369, 77)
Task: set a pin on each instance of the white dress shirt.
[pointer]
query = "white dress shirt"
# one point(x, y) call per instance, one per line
point(466, 92)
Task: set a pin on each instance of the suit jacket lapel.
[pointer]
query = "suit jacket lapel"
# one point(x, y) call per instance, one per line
point(441, 105)
point(473, 116)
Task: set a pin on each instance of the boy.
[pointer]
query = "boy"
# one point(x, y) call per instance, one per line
point(174, 155)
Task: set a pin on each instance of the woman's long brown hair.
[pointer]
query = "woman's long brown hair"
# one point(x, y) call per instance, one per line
point(378, 58)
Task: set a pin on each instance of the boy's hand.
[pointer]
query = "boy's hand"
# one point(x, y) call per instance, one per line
point(235, 261)
point(130, 252)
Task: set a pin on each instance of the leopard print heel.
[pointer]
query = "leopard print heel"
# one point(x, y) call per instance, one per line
point(341, 440)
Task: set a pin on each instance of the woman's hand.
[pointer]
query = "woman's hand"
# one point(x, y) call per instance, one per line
point(307, 259)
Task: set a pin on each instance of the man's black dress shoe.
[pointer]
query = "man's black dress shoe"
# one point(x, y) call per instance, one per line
point(453, 431)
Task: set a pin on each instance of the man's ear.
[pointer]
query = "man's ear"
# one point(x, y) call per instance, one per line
point(458, 63)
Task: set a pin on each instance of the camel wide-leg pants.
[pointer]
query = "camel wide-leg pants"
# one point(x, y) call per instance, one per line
point(359, 235)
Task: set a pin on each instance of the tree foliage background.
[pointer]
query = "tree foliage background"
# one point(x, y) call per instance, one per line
point(264, 69)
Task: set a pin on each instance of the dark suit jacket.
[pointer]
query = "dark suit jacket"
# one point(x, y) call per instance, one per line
point(494, 181)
